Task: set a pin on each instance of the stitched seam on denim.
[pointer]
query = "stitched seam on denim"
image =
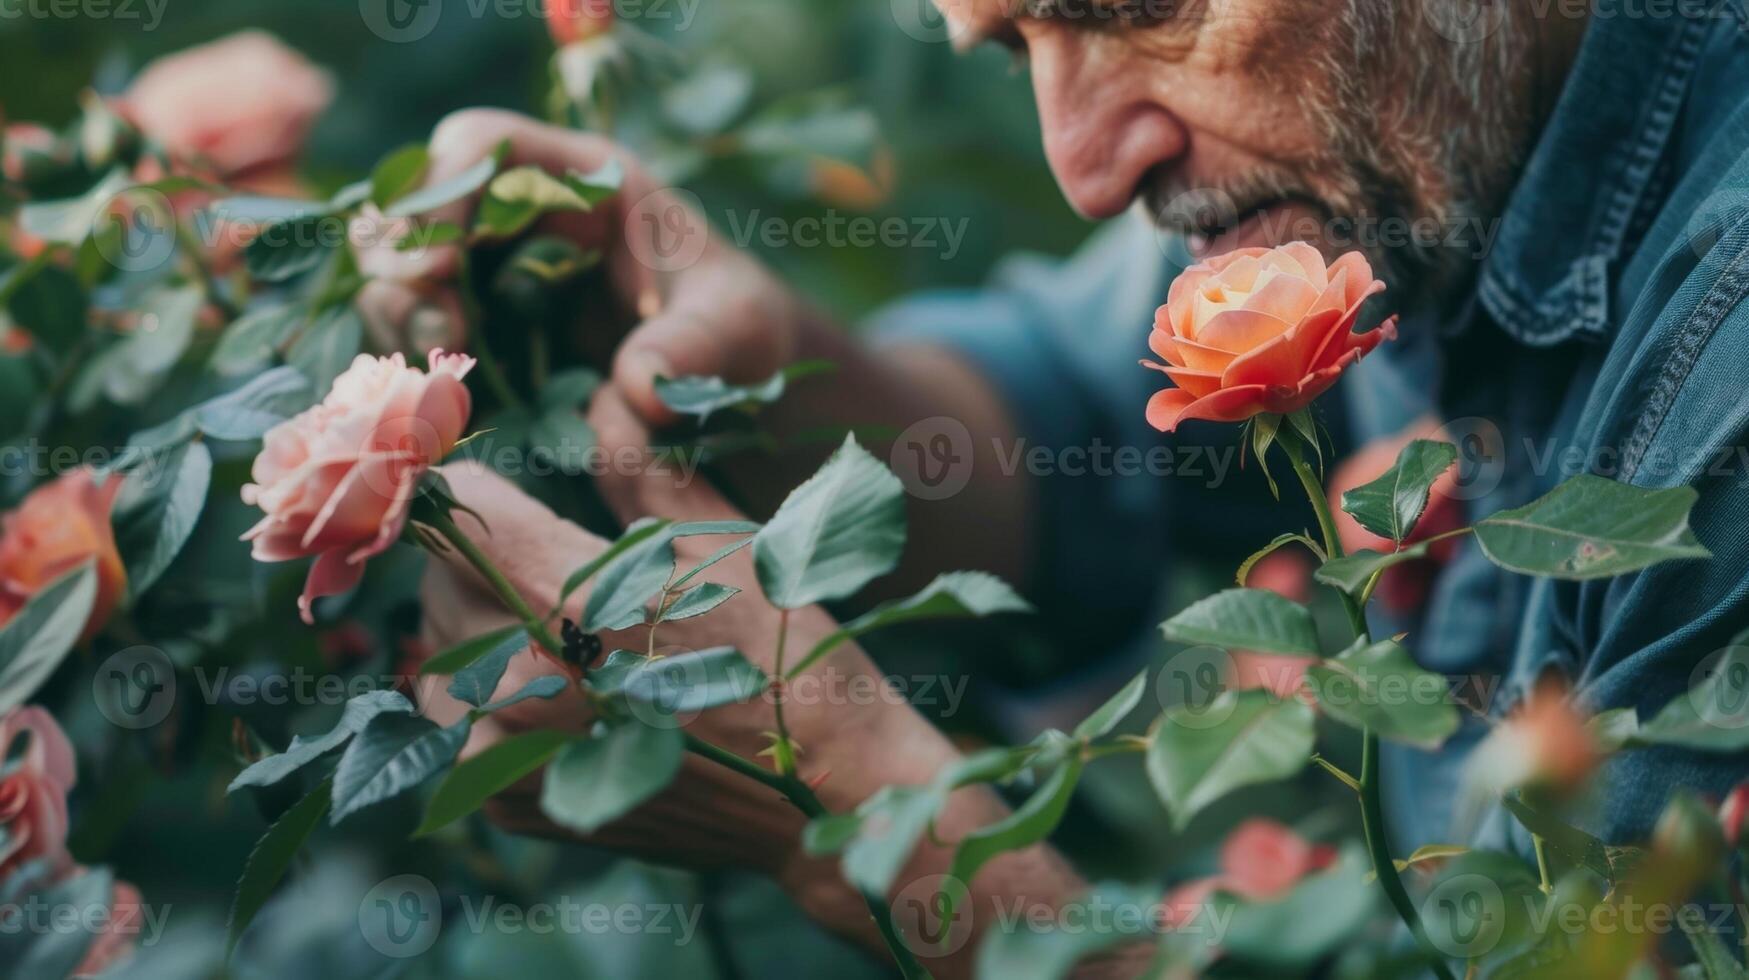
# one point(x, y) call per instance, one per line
point(1547, 324)
point(1729, 290)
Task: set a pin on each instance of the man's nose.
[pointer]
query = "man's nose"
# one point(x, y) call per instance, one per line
point(1102, 131)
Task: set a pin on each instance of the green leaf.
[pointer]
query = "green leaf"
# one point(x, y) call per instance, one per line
point(448, 191)
point(1590, 527)
point(697, 601)
point(518, 197)
point(1712, 716)
point(1247, 619)
point(830, 834)
point(1023, 949)
point(1241, 738)
point(951, 595)
point(35, 641)
point(257, 210)
point(570, 389)
point(70, 221)
point(834, 534)
point(1574, 844)
point(598, 779)
point(634, 535)
point(1351, 573)
point(692, 681)
point(251, 340)
point(1281, 541)
point(1714, 957)
point(327, 347)
point(1614, 729)
point(714, 557)
point(249, 411)
point(287, 249)
point(1109, 714)
point(157, 509)
point(702, 397)
point(630, 580)
point(1379, 686)
point(475, 682)
point(544, 687)
point(431, 235)
point(500, 766)
point(398, 174)
point(812, 124)
point(563, 440)
point(53, 946)
point(393, 754)
point(457, 657)
point(1391, 505)
point(272, 855)
point(1263, 431)
point(50, 305)
point(892, 821)
point(1029, 824)
point(358, 713)
point(131, 371)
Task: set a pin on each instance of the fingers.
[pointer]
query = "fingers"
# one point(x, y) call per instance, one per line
point(666, 485)
point(718, 322)
point(534, 548)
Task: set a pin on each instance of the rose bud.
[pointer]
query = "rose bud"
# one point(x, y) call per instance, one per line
point(240, 105)
point(1545, 745)
point(336, 481)
point(1259, 330)
point(571, 21)
point(1260, 860)
point(60, 526)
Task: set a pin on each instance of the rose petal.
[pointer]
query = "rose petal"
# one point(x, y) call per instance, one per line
point(1285, 297)
point(1237, 331)
point(330, 574)
point(1198, 383)
point(1172, 406)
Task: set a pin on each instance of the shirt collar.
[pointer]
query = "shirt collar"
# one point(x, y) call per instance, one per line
point(1591, 178)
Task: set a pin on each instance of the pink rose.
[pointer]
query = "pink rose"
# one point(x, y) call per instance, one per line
point(1260, 860)
point(241, 103)
point(33, 792)
point(336, 481)
point(114, 941)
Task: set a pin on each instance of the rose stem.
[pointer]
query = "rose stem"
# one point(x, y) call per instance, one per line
point(792, 789)
point(1372, 808)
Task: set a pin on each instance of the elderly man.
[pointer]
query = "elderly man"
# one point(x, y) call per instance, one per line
point(1558, 194)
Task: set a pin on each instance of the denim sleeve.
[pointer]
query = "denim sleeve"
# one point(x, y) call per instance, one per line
point(1060, 341)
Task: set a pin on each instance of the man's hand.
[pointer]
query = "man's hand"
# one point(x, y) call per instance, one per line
point(709, 816)
point(690, 304)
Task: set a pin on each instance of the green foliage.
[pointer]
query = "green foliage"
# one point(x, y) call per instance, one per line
point(393, 754)
point(303, 751)
point(35, 641)
point(950, 595)
point(1199, 755)
point(599, 778)
point(1378, 686)
point(1247, 619)
point(702, 397)
point(498, 767)
point(834, 534)
point(1590, 528)
point(1391, 505)
point(272, 855)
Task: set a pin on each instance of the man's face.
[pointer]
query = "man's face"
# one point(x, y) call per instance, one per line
point(1346, 123)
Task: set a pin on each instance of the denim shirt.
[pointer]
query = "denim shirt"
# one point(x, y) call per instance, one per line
point(1607, 334)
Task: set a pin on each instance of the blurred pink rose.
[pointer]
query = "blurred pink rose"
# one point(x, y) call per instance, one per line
point(336, 481)
point(21, 146)
point(1260, 860)
point(33, 792)
point(1287, 573)
point(240, 104)
point(114, 941)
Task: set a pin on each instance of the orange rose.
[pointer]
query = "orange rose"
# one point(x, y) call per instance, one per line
point(336, 480)
point(60, 526)
point(1545, 743)
point(239, 104)
point(571, 21)
point(1259, 330)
